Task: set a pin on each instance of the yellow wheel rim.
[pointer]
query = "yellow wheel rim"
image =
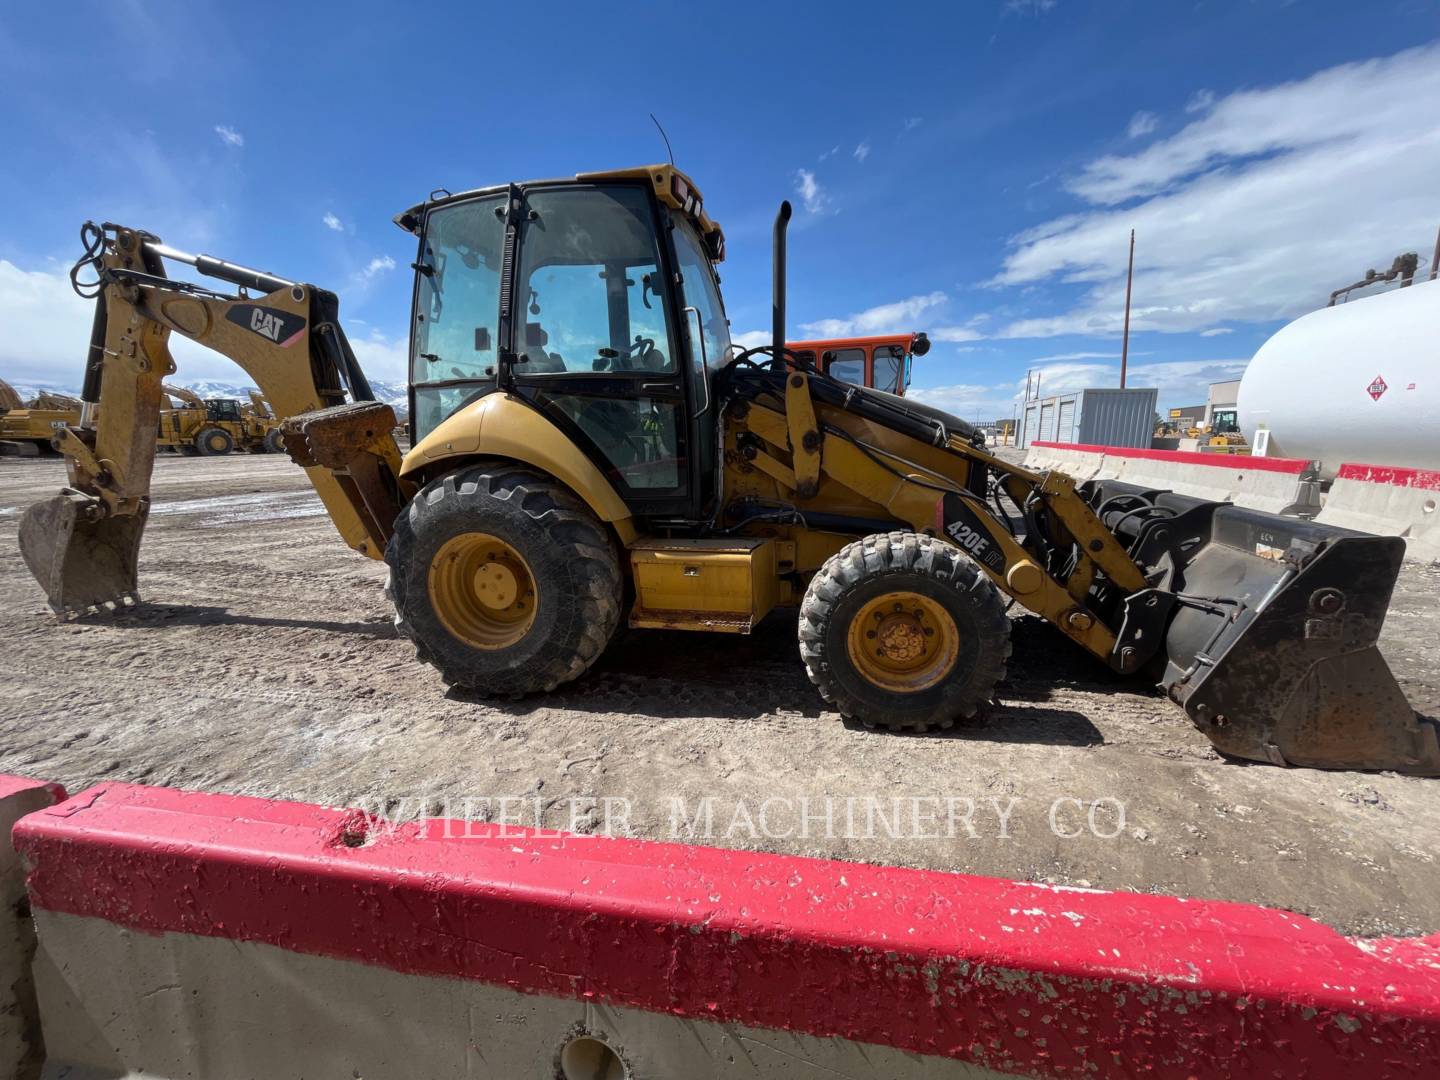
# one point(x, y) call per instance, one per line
point(903, 642)
point(482, 590)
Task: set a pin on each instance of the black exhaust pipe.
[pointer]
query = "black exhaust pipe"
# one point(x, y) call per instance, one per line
point(777, 274)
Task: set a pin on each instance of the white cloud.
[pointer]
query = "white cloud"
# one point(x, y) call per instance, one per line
point(812, 195)
point(1027, 7)
point(1200, 101)
point(894, 318)
point(47, 332)
point(965, 400)
point(1252, 212)
point(955, 334)
point(333, 222)
point(1216, 331)
point(1142, 123)
point(751, 339)
point(1182, 381)
point(378, 265)
point(47, 327)
point(862, 151)
point(829, 153)
point(911, 123)
point(382, 357)
point(229, 136)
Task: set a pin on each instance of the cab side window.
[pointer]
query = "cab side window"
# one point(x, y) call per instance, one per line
point(847, 365)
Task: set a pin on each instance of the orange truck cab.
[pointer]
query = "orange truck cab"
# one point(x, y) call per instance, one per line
point(882, 362)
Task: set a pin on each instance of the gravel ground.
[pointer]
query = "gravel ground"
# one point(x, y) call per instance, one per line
point(263, 662)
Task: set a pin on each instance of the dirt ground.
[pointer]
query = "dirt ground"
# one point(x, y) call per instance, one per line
point(263, 662)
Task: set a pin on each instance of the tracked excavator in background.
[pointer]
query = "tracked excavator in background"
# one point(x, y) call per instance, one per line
point(589, 448)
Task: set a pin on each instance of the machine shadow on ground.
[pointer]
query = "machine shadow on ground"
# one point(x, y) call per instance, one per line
point(162, 616)
point(678, 675)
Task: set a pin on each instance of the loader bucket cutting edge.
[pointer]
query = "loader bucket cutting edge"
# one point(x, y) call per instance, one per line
point(82, 561)
point(1272, 649)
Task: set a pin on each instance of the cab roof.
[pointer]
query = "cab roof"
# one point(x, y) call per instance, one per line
point(671, 186)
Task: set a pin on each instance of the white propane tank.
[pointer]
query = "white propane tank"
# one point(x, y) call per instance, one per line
point(1356, 382)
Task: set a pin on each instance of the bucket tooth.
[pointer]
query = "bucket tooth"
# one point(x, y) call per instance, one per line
point(82, 557)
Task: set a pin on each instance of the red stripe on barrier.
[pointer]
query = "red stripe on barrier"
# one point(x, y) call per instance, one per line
point(1020, 978)
point(1395, 475)
point(1234, 462)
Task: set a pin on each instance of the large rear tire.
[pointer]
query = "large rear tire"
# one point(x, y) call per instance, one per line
point(213, 442)
point(904, 631)
point(504, 580)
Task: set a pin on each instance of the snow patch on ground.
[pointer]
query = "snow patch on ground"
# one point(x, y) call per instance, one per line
point(220, 510)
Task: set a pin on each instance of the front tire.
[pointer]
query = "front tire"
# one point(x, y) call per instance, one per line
point(504, 579)
point(213, 442)
point(904, 631)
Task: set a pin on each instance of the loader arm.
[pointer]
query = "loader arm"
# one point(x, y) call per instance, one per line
point(82, 545)
point(1262, 628)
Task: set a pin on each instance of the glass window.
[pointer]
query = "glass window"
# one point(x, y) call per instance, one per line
point(459, 299)
point(847, 365)
point(590, 285)
point(639, 437)
point(889, 368)
point(703, 295)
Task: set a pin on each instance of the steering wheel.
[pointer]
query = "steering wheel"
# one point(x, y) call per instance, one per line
point(612, 358)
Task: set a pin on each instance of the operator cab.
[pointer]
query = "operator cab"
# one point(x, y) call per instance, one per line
point(222, 409)
point(595, 299)
point(882, 362)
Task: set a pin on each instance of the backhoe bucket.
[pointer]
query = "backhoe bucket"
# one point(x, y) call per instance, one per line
point(82, 558)
point(1271, 647)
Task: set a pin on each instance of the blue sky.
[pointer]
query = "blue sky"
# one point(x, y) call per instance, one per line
point(969, 168)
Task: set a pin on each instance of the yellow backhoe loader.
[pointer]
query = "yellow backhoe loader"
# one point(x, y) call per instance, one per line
point(588, 447)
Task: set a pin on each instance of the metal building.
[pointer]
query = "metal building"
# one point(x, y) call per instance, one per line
point(1100, 417)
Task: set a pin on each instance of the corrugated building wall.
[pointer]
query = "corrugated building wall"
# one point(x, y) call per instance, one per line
point(1099, 416)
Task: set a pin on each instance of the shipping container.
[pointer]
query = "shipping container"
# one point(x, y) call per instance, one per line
point(1098, 417)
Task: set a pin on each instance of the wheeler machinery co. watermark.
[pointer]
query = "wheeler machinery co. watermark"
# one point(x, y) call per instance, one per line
point(712, 818)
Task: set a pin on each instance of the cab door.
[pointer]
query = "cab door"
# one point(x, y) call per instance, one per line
point(597, 346)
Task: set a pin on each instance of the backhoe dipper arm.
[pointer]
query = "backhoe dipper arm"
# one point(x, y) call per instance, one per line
point(82, 545)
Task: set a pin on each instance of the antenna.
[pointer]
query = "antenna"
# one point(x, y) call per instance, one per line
point(666, 138)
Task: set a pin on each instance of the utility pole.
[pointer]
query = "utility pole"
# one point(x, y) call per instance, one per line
point(1125, 341)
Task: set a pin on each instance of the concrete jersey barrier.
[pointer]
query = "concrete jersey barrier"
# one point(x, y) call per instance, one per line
point(213, 936)
point(21, 1050)
point(1275, 485)
point(1389, 501)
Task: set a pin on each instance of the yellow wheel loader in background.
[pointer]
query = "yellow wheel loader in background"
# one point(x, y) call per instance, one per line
point(213, 426)
point(588, 447)
point(26, 429)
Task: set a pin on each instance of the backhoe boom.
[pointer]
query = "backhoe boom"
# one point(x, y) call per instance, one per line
point(83, 544)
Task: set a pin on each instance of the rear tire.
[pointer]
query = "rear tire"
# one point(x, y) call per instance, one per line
point(273, 443)
point(553, 554)
point(213, 442)
point(904, 631)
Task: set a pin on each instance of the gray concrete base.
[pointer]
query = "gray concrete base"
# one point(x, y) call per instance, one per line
point(123, 1004)
point(21, 1051)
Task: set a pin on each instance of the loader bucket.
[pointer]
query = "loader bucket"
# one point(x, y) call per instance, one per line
point(1271, 647)
point(82, 558)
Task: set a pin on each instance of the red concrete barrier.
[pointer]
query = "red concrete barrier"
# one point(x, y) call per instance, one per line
point(1276, 485)
point(1388, 500)
point(192, 934)
point(21, 1050)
